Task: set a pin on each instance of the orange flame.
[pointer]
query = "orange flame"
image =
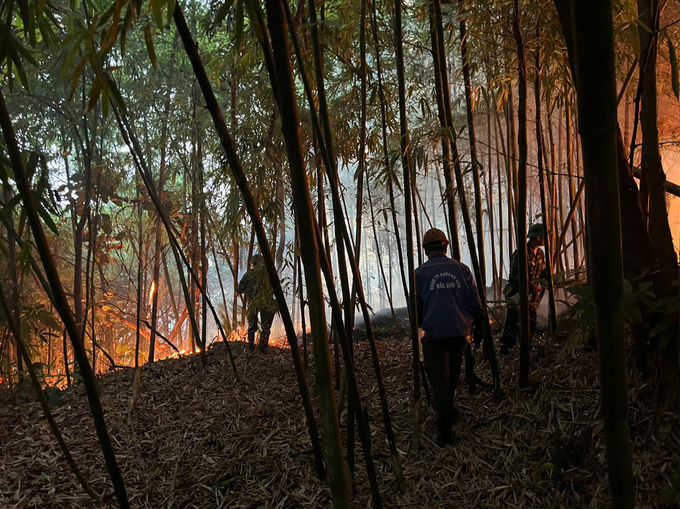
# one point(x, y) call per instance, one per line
point(151, 292)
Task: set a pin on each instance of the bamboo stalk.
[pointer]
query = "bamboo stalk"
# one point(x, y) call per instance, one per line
point(23, 352)
point(337, 470)
point(521, 202)
point(386, 159)
point(61, 304)
point(406, 169)
point(476, 165)
point(596, 87)
point(239, 176)
point(352, 258)
point(541, 177)
point(488, 345)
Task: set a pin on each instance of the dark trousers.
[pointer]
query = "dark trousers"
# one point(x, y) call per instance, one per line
point(266, 320)
point(511, 329)
point(443, 358)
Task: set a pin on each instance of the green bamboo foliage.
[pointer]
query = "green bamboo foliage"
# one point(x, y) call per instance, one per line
point(62, 306)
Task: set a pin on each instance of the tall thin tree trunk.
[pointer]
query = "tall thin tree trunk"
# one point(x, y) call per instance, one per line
point(140, 276)
point(159, 228)
point(541, 180)
point(521, 203)
point(489, 200)
point(512, 172)
point(443, 107)
point(572, 187)
point(488, 347)
point(234, 163)
point(653, 174)
point(406, 165)
point(497, 147)
point(337, 469)
point(61, 304)
point(596, 86)
point(386, 158)
point(479, 218)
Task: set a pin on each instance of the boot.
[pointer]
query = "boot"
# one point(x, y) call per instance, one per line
point(444, 430)
point(251, 341)
point(264, 341)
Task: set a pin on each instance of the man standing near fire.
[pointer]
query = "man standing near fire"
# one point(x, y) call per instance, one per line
point(536, 269)
point(448, 306)
point(260, 300)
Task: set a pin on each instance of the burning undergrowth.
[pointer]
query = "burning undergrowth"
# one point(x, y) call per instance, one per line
point(198, 438)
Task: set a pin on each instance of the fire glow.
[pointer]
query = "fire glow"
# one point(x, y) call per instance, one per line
point(151, 292)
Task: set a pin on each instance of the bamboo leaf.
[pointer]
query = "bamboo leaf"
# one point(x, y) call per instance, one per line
point(21, 72)
point(675, 76)
point(76, 77)
point(111, 34)
point(95, 92)
point(113, 88)
point(252, 7)
point(127, 21)
point(47, 219)
point(157, 8)
point(223, 11)
point(24, 51)
point(6, 211)
point(32, 164)
point(107, 15)
point(171, 11)
point(150, 47)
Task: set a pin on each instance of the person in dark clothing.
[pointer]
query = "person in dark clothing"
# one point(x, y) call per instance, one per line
point(448, 307)
point(536, 269)
point(260, 299)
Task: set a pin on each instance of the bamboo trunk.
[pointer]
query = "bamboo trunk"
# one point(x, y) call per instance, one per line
point(159, 229)
point(544, 207)
point(61, 304)
point(521, 203)
point(235, 165)
point(337, 469)
point(443, 107)
point(572, 187)
point(386, 159)
point(653, 175)
point(406, 165)
point(479, 218)
point(488, 347)
point(596, 86)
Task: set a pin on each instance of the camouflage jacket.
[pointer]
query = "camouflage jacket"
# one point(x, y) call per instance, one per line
point(535, 269)
point(255, 285)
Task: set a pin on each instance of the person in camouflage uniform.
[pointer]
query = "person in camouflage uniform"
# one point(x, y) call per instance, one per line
point(260, 300)
point(535, 269)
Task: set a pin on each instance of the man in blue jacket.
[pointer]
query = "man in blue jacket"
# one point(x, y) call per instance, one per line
point(448, 307)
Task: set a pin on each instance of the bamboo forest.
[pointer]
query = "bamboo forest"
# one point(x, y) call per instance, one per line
point(339, 253)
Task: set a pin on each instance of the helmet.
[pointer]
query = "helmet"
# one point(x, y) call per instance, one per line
point(536, 230)
point(434, 236)
point(256, 259)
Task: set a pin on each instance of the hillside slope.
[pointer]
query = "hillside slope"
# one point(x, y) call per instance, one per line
point(198, 439)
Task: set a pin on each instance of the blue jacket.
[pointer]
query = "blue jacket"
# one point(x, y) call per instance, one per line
point(446, 298)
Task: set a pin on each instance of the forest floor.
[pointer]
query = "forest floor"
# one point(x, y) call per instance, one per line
point(198, 439)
